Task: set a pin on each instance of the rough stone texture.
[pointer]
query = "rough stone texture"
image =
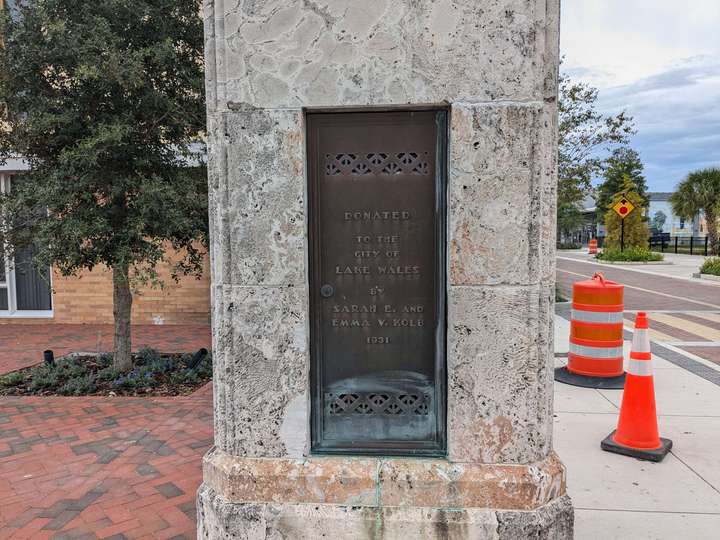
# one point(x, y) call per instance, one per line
point(258, 192)
point(419, 483)
point(219, 518)
point(498, 380)
point(551, 522)
point(501, 194)
point(495, 63)
point(344, 481)
point(497, 194)
point(290, 53)
point(261, 372)
point(439, 484)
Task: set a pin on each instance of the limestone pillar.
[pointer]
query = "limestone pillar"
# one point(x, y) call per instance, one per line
point(495, 63)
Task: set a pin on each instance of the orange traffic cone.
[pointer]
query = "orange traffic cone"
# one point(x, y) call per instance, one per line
point(637, 431)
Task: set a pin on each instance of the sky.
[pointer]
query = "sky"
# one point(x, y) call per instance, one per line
point(660, 61)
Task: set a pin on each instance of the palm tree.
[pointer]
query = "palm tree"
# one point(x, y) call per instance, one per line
point(700, 192)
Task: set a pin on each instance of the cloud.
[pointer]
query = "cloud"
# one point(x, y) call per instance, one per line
point(677, 116)
point(661, 64)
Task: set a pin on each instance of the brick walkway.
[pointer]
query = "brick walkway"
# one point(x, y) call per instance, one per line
point(22, 345)
point(102, 467)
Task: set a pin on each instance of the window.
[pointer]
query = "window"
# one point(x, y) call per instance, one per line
point(25, 291)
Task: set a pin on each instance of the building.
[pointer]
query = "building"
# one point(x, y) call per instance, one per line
point(662, 220)
point(29, 295)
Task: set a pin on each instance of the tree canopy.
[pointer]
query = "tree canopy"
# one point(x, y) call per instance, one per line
point(623, 162)
point(700, 192)
point(105, 100)
point(585, 138)
point(636, 233)
point(658, 221)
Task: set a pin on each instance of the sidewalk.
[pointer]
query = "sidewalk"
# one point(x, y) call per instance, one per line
point(100, 467)
point(616, 497)
point(683, 266)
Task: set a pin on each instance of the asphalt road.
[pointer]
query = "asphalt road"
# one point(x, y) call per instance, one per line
point(683, 313)
point(643, 291)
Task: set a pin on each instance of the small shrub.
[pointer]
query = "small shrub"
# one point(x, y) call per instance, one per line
point(79, 376)
point(569, 245)
point(80, 386)
point(107, 374)
point(631, 254)
point(147, 355)
point(711, 266)
point(105, 360)
point(11, 380)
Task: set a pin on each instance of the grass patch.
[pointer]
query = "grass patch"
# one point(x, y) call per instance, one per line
point(711, 266)
point(152, 374)
point(631, 254)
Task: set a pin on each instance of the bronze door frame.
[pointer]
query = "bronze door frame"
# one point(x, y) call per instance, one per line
point(437, 445)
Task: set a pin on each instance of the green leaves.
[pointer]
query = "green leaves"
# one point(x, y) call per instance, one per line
point(631, 254)
point(700, 192)
point(711, 266)
point(636, 232)
point(585, 135)
point(623, 162)
point(103, 98)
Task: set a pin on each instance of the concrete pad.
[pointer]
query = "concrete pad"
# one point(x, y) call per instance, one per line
point(679, 392)
point(562, 334)
point(576, 399)
point(696, 441)
point(659, 363)
point(613, 525)
point(601, 480)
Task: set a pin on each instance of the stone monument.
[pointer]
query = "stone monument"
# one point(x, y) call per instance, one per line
point(382, 190)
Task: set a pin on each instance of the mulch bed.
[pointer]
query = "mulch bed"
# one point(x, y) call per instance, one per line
point(153, 374)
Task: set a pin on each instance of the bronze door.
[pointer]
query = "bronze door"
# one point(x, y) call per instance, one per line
point(377, 227)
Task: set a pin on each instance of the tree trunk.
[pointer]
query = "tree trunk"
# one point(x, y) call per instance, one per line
point(122, 306)
point(714, 241)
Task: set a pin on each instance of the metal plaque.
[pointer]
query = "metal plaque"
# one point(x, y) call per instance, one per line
point(377, 228)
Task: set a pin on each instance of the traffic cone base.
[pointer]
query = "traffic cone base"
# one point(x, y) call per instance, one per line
point(563, 375)
point(637, 428)
point(656, 455)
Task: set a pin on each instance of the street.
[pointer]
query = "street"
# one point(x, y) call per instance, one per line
point(617, 497)
point(684, 312)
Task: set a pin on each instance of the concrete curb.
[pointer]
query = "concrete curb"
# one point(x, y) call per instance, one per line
point(634, 263)
point(707, 277)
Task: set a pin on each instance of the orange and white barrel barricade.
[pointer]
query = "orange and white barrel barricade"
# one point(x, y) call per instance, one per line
point(595, 358)
point(592, 247)
point(637, 430)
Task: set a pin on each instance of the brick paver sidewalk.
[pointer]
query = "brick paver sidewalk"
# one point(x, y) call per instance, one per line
point(22, 345)
point(102, 467)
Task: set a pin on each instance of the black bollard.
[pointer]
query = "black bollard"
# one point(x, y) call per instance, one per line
point(197, 358)
point(49, 357)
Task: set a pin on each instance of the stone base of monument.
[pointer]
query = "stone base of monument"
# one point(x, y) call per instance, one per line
point(346, 498)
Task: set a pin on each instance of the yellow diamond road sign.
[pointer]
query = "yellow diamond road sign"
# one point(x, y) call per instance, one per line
point(623, 208)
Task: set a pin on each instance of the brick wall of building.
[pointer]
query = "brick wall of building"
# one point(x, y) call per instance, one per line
point(87, 298)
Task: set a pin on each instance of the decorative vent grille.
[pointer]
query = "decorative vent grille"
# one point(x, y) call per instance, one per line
point(415, 163)
point(377, 403)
